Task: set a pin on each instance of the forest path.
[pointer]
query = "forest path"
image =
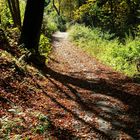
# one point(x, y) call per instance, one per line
point(88, 100)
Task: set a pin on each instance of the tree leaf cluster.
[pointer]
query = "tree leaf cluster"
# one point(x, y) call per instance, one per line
point(120, 17)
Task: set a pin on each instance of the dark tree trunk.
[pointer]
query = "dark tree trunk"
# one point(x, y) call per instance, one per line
point(30, 34)
point(56, 9)
point(18, 14)
point(15, 12)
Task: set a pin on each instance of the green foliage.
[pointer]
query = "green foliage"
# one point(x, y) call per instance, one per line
point(22, 9)
point(119, 17)
point(121, 57)
point(52, 22)
point(9, 125)
point(13, 128)
point(5, 15)
point(40, 129)
point(49, 22)
point(61, 23)
point(50, 28)
point(27, 138)
point(44, 45)
point(43, 126)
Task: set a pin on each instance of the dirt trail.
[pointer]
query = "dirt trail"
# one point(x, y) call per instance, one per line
point(88, 100)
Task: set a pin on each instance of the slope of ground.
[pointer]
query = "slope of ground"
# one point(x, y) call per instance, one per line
point(73, 97)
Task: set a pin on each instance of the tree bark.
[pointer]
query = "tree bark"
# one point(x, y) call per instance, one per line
point(15, 12)
point(30, 34)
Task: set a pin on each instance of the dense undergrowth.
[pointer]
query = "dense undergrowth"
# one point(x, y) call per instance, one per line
point(121, 56)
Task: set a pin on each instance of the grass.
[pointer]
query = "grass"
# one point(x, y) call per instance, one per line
point(121, 57)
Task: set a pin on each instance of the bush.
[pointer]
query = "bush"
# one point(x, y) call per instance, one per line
point(49, 28)
point(49, 24)
point(61, 23)
point(121, 57)
point(6, 19)
point(44, 45)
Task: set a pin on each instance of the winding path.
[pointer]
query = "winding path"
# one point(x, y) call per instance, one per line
point(88, 100)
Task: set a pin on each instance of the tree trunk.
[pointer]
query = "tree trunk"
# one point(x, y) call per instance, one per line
point(18, 14)
point(30, 34)
point(15, 12)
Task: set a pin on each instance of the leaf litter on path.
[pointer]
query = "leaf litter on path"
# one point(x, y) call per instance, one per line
point(82, 98)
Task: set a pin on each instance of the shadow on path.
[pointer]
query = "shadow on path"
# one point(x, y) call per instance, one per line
point(112, 114)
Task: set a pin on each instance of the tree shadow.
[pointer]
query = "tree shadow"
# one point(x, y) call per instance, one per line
point(64, 134)
point(102, 86)
point(54, 60)
point(77, 117)
point(98, 87)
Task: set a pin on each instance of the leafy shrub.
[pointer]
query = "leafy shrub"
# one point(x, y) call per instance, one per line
point(5, 15)
point(49, 24)
point(44, 45)
point(61, 23)
point(124, 57)
point(49, 28)
point(121, 57)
